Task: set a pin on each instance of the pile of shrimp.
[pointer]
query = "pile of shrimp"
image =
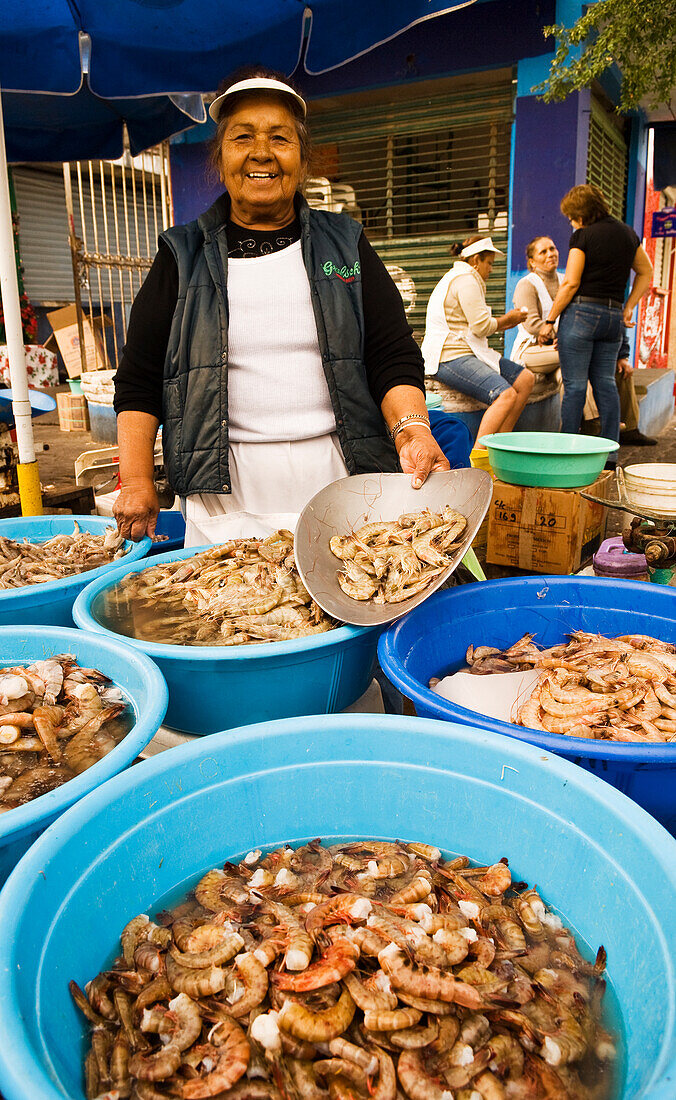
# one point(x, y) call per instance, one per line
point(611, 689)
point(56, 720)
point(244, 591)
point(390, 561)
point(359, 970)
point(23, 563)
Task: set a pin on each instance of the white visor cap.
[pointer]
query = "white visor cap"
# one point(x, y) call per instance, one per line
point(256, 84)
point(484, 245)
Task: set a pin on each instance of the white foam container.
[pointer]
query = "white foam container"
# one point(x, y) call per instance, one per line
point(652, 486)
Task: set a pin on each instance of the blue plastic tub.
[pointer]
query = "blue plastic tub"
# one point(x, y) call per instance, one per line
point(433, 638)
point(217, 687)
point(145, 689)
point(52, 603)
point(172, 525)
point(595, 856)
point(40, 402)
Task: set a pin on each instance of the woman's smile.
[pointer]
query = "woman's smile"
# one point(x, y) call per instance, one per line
point(261, 163)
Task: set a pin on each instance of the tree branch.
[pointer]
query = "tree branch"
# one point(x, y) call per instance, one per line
point(636, 35)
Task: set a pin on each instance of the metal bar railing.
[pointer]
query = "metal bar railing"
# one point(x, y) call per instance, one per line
point(118, 216)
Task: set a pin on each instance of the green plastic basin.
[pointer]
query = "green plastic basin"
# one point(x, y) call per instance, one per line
point(549, 459)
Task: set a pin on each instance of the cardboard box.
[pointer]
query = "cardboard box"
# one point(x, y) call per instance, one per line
point(73, 412)
point(66, 338)
point(545, 530)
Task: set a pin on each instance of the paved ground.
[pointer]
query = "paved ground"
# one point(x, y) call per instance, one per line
point(57, 464)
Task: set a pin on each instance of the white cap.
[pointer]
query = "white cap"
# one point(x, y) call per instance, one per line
point(257, 84)
point(484, 245)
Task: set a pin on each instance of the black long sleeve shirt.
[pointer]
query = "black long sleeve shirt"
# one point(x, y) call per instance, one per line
point(391, 355)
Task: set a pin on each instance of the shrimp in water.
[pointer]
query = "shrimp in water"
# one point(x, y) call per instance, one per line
point(229, 1052)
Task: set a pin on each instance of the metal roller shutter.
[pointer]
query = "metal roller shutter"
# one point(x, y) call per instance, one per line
point(607, 159)
point(43, 235)
point(421, 174)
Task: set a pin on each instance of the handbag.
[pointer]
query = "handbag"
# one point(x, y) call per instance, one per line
point(541, 359)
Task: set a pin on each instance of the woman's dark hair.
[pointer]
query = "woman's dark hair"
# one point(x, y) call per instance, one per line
point(246, 73)
point(456, 248)
point(585, 203)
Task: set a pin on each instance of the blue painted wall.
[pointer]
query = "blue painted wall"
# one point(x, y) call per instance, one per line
point(194, 185)
point(544, 169)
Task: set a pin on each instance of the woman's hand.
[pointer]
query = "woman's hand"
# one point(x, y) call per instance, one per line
point(136, 509)
point(512, 318)
point(546, 334)
point(419, 453)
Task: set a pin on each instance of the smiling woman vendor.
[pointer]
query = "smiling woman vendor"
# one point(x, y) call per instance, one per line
point(268, 340)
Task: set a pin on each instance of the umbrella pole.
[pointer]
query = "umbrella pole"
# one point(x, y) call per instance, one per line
point(29, 478)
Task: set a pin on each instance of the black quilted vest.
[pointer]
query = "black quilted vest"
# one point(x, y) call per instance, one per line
point(195, 391)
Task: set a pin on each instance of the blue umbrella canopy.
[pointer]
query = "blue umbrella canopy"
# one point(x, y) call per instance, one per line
point(339, 32)
point(51, 113)
point(39, 47)
point(86, 127)
point(150, 47)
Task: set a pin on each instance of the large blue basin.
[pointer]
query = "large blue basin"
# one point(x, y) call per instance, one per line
point(52, 603)
point(145, 689)
point(214, 687)
point(40, 402)
point(433, 638)
point(596, 857)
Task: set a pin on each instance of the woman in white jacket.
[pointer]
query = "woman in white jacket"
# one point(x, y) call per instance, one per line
point(456, 349)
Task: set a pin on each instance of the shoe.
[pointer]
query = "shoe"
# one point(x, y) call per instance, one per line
point(635, 438)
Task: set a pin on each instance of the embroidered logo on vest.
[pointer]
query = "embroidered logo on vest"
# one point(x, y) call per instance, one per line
point(345, 274)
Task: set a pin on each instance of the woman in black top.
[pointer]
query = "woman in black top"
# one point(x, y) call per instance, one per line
point(592, 307)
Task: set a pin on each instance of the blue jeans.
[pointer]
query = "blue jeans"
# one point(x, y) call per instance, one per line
point(589, 341)
point(472, 376)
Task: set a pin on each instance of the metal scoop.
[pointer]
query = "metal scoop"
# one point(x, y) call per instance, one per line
point(347, 504)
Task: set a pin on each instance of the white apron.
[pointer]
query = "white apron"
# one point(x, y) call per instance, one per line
point(271, 484)
point(436, 326)
point(525, 339)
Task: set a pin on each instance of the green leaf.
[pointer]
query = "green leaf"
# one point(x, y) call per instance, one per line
point(636, 35)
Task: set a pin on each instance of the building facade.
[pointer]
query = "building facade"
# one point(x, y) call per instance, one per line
point(438, 134)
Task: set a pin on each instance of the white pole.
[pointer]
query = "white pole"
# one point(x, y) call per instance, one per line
point(9, 289)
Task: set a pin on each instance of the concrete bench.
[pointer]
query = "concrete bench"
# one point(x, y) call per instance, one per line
point(655, 392)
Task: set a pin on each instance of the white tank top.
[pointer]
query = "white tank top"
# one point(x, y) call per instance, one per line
point(277, 389)
point(524, 339)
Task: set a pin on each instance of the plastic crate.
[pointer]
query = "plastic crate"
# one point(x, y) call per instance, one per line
point(73, 412)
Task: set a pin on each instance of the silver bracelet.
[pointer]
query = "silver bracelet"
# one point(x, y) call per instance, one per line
point(418, 418)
